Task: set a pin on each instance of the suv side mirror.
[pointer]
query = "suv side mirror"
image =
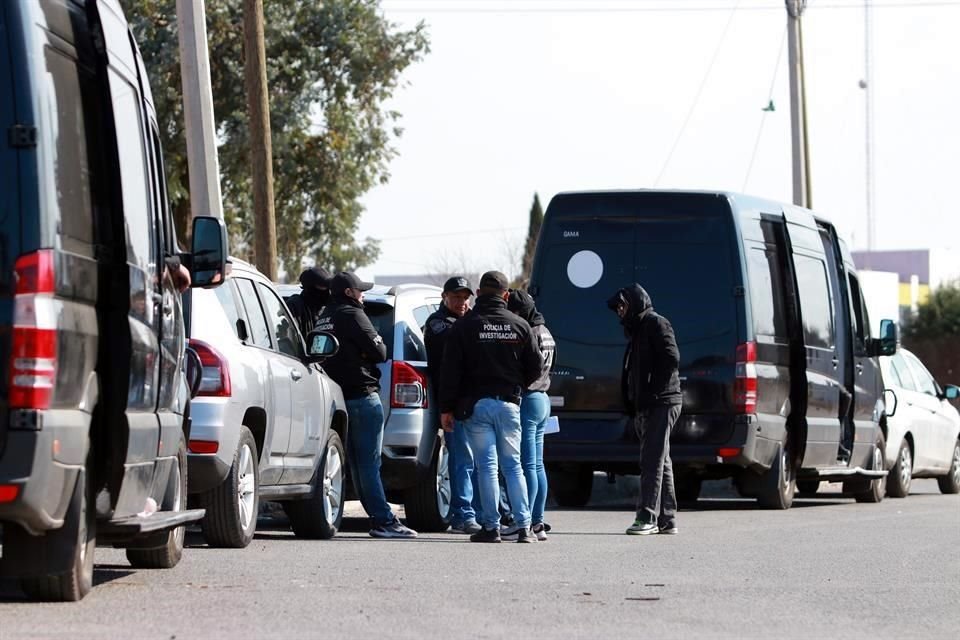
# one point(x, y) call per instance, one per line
point(886, 344)
point(890, 402)
point(208, 255)
point(951, 392)
point(321, 345)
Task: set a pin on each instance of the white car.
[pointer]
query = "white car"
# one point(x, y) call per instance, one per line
point(923, 429)
point(267, 421)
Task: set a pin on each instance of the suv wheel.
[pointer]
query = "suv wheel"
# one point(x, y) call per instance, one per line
point(167, 555)
point(320, 515)
point(778, 485)
point(950, 483)
point(901, 476)
point(571, 485)
point(231, 518)
point(427, 503)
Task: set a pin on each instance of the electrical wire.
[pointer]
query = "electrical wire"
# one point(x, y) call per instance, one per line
point(763, 118)
point(696, 99)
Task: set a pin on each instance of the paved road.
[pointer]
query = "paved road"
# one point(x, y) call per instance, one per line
point(827, 568)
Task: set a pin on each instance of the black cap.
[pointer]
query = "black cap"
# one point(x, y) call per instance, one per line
point(348, 280)
point(457, 283)
point(315, 278)
point(494, 280)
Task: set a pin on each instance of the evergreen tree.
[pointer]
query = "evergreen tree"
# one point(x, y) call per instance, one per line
point(533, 232)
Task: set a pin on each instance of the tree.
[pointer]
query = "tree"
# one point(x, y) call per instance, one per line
point(533, 233)
point(331, 67)
point(934, 333)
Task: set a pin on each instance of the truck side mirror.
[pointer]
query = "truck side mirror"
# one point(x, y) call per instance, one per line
point(208, 255)
point(890, 402)
point(321, 345)
point(886, 344)
point(951, 392)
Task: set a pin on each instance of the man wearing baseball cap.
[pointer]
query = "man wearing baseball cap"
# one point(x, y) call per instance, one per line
point(354, 368)
point(456, 303)
point(314, 295)
point(490, 356)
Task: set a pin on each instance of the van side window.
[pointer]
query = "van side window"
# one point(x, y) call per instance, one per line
point(259, 333)
point(818, 329)
point(141, 237)
point(71, 169)
point(766, 292)
point(861, 322)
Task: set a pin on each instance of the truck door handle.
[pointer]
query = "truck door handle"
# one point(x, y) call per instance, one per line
point(859, 367)
point(836, 363)
point(296, 375)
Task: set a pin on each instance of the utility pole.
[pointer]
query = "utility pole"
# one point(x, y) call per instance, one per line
point(867, 85)
point(261, 145)
point(204, 168)
point(802, 195)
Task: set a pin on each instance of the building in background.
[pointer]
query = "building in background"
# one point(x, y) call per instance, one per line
point(919, 271)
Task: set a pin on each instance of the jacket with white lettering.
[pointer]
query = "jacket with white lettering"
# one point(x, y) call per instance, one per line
point(490, 352)
point(354, 367)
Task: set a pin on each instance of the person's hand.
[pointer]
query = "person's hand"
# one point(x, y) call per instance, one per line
point(181, 278)
point(446, 421)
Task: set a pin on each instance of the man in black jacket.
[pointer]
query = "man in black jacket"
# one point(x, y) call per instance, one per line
point(456, 303)
point(307, 305)
point(650, 384)
point(354, 368)
point(490, 356)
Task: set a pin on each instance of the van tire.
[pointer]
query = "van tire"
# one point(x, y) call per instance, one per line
point(80, 531)
point(901, 475)
point(167, 555)
point(808, 487)
point(223, 524)
point(875, 488)
point(779, 484)
point(950, 483)
point(571, 485)
point(319, 516)
point(427, 503)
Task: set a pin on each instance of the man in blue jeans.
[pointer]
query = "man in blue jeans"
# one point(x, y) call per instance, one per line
point(490, 356)
point(456, 303)
point(354, 368)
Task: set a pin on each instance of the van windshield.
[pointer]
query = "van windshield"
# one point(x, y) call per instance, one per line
point(684, 259)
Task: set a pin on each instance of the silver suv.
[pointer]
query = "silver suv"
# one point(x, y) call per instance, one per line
point(267, 421)
point(414, 458)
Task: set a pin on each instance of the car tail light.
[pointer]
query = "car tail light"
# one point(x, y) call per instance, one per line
point(408, 387)
point(9, 492)
point(728, 452)
point(215, 375)
point(204, 446)
point(745, 387)
point(33, 357)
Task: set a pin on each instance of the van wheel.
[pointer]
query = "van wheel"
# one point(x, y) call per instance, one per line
point(901, 476)
point(427, 503)
point(778, 485)
point(808, 487)
point(169, 553)
point(876, 487)
point(79, 531)
point(319, 516)
point(950, 483)
point(571, 485)
point(231, 518)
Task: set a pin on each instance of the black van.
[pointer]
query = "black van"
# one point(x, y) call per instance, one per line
point(779, 373)
point(94, 397)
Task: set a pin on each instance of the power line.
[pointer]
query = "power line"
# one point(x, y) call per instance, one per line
point(696, 99)
point(451, 233)
point(763, 118)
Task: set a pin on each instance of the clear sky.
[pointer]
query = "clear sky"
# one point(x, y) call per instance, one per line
point(525, 96)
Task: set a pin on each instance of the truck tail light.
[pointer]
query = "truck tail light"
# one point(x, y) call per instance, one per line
point(215, 376)
point(745, 387)
point(33, 355)
point(408, 387)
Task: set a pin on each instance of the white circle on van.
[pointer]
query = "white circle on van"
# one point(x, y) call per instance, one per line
point(585, 269)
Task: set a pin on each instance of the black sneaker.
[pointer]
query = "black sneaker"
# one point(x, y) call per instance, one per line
point(392, 530)
point(510, 532)
point(486, 535)
point(525, 535)
point(467, 527)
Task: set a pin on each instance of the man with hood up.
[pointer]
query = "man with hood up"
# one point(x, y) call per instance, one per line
point(650, 385)
point(307, 305)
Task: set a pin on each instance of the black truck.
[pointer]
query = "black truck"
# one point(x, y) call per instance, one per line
point(94, 399)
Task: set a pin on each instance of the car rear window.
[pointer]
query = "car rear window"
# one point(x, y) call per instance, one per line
point(382, 317)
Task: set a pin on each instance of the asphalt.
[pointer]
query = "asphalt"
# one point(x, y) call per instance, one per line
point(829, 567)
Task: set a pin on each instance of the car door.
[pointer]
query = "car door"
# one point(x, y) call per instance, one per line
point(306, 394)
point(942, 430)
point(917, 412)
point(278, 387)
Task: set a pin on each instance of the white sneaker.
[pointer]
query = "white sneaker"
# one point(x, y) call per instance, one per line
point(540, 531)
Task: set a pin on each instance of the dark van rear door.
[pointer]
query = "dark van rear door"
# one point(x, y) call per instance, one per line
point(9, 210)
point(678, 246)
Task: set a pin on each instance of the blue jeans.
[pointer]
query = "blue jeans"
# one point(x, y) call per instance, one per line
point(463, 479)
point(364, 448)
point(493, 432)
point(534, 411)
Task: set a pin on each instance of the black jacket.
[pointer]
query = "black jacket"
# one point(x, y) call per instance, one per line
point(522, 304)
point(354, 367)
point(435, 333)
point(490, 352)
point(307, 309)
point(652, 360)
